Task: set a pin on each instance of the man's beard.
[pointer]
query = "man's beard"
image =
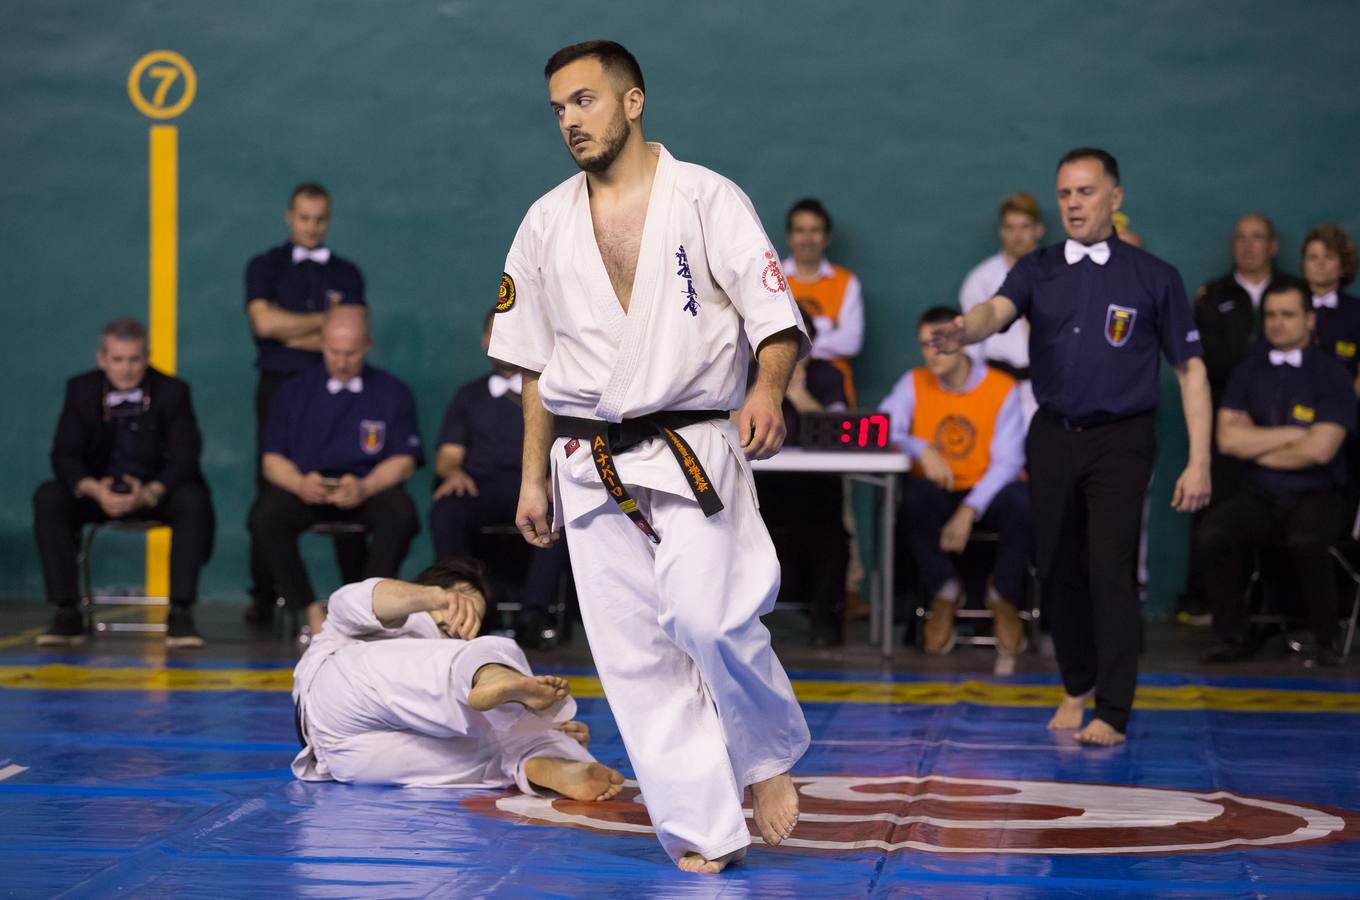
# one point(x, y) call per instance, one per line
point(613, 140)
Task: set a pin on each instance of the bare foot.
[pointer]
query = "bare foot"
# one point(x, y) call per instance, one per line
point(774, 802)
point(577, 780)
point(1069, 713)
point(693, 862)
point(1099, 734)
point(577, 731)
point(496, 684)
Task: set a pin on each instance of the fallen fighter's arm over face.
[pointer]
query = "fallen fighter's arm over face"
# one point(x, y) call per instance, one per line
point(458, 610)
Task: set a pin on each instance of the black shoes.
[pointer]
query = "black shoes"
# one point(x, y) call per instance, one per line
point(179, 629)
point(1225, 652)
point(1324, 656)
point(66, 629)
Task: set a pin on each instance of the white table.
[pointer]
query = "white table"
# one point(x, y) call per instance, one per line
point(879, 469)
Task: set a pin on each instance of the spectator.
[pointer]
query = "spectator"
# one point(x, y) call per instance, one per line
point(1126, 234)
point(964, 428)
point(288, 290)
point(477, 471)
point(803, 511)
point(1020, 227)
point(126, 448)
point(340, 441)
point(1286, 411)
point(1329, 263)
point(830, 293)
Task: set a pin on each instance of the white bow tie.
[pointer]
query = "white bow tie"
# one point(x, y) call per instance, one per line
point(320, 255)
point(113, 398)
point(354, 385)
point(1075, 250)
point(1283, 357)
point(499, 384)
point(1327, 300)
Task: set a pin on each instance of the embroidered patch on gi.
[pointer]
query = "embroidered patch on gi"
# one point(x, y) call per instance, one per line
point(955, 436)
point(682, 269)
point(772, 276)
point(1345, 349)
point(1119, 324)
point(572, 446)
point(505, 297)
point(1303, 413)
point(334, 299)
point(372, 436)
point(1227, 306)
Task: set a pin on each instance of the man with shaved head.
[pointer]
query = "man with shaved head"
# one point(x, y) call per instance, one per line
point(341, 440)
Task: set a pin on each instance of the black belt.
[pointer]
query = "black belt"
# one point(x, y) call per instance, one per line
point(1019, 373)
point(609, 438)
point(1082, 423)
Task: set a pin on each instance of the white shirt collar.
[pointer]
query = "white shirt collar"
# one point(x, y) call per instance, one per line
point(824, 268)
point(1254, 290)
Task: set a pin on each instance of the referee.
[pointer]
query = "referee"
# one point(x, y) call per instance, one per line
point(1100, 312)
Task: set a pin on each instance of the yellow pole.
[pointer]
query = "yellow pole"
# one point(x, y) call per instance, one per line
point(164, 268)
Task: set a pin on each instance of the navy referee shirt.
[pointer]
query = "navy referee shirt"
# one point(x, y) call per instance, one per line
point(301, 287)
point(1096, 331)
point(345, 432)
point(491, 428)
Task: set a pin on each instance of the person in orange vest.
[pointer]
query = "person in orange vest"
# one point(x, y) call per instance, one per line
point(963, 425)
point(828, 292)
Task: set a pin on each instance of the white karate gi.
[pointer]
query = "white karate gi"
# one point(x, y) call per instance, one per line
point(389, 705)
point(703, 705)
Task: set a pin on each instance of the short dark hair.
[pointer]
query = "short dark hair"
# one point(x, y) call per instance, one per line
point(808, 205)
point(448, 573)
point(1106, 159)
point(124, 329)
point(937, 315)
point(613, 56)
point(1287, 287)
point(308, 189)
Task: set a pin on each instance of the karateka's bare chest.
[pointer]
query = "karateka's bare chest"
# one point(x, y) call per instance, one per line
point(618, 233)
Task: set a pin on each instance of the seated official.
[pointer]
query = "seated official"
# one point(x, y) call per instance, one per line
point(127, 448)
point(341, 440)
point(481, 443)
point(963, 424)
point(804, 512)
point(1286, 411)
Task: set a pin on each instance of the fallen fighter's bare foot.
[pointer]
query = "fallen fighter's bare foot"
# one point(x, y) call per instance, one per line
point(577, 731)
point(775, 804)
point(1069, 713)
point(496, 684)
point(693, 862)
point(577, 780)
point(1100, 734)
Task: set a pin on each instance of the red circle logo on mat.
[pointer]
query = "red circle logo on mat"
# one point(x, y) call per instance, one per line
point(938, 814)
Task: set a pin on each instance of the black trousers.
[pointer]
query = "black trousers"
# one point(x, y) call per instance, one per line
point(1226, 474)
point(58, 517)
point(926, 508)
point(455, 521)
point(350, 549)
point(803, 514)
point(278, 518)
point(1087, 487)
point(1251, 520)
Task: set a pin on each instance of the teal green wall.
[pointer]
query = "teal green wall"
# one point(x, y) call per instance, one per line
point(428, 122)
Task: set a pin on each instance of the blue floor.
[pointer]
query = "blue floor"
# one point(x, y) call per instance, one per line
point(188, 794)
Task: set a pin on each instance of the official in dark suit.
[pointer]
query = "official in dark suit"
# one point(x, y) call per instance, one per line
point(127, 447)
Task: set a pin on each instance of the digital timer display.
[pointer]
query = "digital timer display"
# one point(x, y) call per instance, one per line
point(851, 430)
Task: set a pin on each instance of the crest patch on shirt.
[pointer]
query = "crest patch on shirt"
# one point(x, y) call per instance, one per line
point(572, 446)
point(955, 436)
point(1119, 324)
point(1303, 413)
point(772, 276)
point(1345, 349)
point(505, 297)
point(334, 298)
point(372, 436)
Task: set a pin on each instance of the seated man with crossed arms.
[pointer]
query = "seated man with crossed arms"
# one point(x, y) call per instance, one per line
point(397, 689)
point(963, 424)
point(1286, 412)
point(341, 440)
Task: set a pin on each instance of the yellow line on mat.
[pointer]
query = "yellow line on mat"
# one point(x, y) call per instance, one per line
point(922, 693)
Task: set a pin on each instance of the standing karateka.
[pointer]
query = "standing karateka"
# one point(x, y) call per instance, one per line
point(381, 699)
point(631, 299)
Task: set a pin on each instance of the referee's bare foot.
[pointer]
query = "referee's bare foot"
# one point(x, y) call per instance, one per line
point(1099, 734)
point(693, 862)
point(578, 780)
point(495, 684)
point(1069, 713)
point(577, 731)
point(774, 802)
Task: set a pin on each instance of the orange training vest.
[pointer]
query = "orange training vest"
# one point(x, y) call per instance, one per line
point(823, 297)
point(960, 426)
